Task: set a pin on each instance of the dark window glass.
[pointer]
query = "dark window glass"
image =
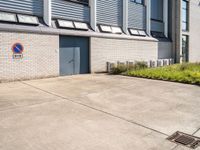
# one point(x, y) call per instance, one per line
point(157, 34)
point(157, 17)
point(157, 10)
point(80, 1)
point(138, 1)
point(185, 15)
point(185, 51)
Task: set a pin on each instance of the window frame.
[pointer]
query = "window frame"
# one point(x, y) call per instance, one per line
point(185, 47)
point(186, 23)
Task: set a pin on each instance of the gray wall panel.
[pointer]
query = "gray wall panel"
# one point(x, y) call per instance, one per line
point(33, 7)
point(110, 12)
point(70, 11)
point(136, 15)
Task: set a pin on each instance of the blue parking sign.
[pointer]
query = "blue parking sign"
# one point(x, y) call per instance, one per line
point(17, 48)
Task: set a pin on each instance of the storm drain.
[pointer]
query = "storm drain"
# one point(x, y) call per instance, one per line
point(185, 139)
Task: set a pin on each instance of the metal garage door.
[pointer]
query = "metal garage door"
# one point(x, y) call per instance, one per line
point(74, 55)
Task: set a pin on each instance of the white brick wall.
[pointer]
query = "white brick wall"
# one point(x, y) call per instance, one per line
point(40, 56)
point(112, 50)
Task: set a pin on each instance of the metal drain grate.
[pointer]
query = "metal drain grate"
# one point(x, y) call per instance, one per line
point(185, 139)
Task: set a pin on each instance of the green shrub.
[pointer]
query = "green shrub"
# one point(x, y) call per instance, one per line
point(119, 69)
point(185, 73)
point(183, 66)
point(122, 68)
point(140, 65)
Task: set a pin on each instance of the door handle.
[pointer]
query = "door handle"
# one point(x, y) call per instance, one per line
point(71, 61)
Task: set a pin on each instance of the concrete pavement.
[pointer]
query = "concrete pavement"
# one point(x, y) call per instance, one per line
point(93, 112)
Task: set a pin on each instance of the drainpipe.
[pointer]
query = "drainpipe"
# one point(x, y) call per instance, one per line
point(148, 16)
point(93, 23)
point(47, 12)
point(125, 16)
point(165, 17)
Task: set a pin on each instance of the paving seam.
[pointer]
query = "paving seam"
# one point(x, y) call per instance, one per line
point(196, 131)
point(96, 109)
point(175, 147)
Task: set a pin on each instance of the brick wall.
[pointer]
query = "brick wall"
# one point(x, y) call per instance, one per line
point(112, 50)
point(40, 56)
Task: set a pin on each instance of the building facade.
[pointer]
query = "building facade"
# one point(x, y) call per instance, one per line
point(46, 38)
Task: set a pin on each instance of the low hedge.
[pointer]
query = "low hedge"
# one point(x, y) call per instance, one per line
point(184, 73)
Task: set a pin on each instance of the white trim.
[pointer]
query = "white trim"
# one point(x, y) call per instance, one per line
point(47, 12)
point(165, 17)
point(125, 16)
point(148, 16)
point(93, 22)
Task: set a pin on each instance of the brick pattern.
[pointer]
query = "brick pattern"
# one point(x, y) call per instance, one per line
point(40, 56)
point(112, 50)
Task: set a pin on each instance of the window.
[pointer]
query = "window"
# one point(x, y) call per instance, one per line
point(134, 32)
point(185, 51)
point(138, 1)
point(116, 30)
point(142, 33)
point(81, 25)
point(137, 32)
point(185, 15)
point(157, 23)
point(72, 25)
point(8, 17)
point(157, 10)
point(85, 2)
point(110, 29)
point(65, 24)
point(25, 19)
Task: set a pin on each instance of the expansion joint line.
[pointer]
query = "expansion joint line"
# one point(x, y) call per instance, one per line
point(96, 109)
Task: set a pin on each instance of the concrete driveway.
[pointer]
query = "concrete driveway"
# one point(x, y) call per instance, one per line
point(96, 112)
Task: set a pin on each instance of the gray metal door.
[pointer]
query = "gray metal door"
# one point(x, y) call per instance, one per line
point(74, 55)
point(69, 60)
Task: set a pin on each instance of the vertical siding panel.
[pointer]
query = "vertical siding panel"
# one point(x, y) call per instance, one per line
point(110, 12)
point(136, 15)
point(71, 11)
point(33, 7)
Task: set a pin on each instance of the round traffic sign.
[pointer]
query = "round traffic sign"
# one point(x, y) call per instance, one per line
point(17, 48)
